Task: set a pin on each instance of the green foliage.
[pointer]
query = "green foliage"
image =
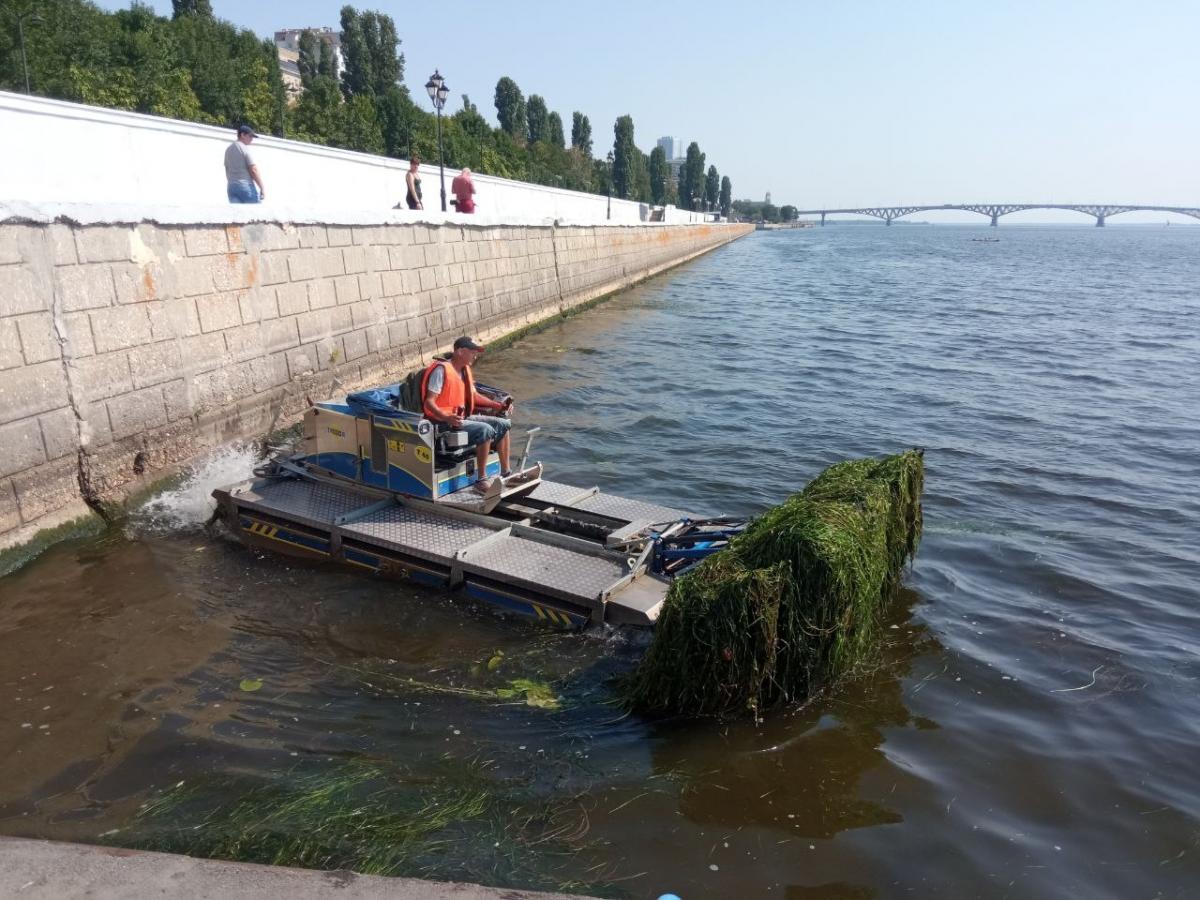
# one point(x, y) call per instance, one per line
point(788, 214)
point(712, 188)
point(793, 604)
point(309, 61)
point(316, 117)
point(554, 127)
point(691, 178)
point(755, 210)
point(726, 198)
point(581, 133)
point(659, 173)
point(624, 150)
point(191, 8)
point(358, 126)
point(510, 107)
point(537, 118)
point(369, 50)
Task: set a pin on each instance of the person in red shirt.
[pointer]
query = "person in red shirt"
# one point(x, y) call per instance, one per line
point(464, 190)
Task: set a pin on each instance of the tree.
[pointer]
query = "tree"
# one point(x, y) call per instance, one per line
point(191, 8)
point(358, 126)
point(712, 188)
point(581, 133)
point(510, 107)
point(316, 117)
point(537, 118)
point(726, 196)
point(555, 129)
point(691, 177)
point(788, 213)
point(475, 127)
point(659, 173)
point(623, 152)
point(369, 48)
point(309, 62)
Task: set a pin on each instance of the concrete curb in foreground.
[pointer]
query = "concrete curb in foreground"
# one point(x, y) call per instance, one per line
point(50, 870)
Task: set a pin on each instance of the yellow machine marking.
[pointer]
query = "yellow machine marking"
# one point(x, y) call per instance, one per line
point(423, 454)
point(396, 446)
point(545, 613)
point(271, 532)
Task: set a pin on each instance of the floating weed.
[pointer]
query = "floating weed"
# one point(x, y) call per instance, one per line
point(372, 818)
point(793, 603)
point(529, 691)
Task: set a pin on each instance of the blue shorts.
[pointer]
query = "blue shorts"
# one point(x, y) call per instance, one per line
point(485, 428)
point(241, 192)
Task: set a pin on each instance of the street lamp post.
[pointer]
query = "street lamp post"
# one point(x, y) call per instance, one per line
point(21, 15)
point(438, 92)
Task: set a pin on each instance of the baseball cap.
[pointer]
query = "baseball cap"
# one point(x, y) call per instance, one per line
point(246, 129)
point(465, 343)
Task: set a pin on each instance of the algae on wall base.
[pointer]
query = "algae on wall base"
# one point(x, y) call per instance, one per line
point(793, 603)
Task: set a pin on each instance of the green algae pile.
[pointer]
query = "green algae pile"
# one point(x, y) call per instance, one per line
point(793, 603)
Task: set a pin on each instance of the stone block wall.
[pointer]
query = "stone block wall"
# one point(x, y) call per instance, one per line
point(126, 350)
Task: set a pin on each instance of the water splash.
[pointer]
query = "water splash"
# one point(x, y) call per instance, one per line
point(188, 504)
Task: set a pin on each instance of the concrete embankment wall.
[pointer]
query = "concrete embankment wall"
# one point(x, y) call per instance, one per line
point(127, 349)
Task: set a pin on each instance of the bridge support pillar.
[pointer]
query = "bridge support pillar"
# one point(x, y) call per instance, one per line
point(1099, 221)
point(995, 220)
point(822, 220)
point(888, 221)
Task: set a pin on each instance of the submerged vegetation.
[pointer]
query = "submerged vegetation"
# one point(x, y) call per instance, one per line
point(794, 603)
point(373, 818)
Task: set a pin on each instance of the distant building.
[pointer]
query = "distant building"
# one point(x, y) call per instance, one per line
point(287, 44)
point(289, 68)
point(768, 200)
point(673, 147)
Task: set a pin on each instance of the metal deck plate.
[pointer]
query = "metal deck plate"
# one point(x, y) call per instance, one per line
point(303, 500)
point(630, 510)
point(546, 568)
point(418, 532)
point(557, 492)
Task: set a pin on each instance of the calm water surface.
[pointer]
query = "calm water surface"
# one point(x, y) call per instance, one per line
point(1032, 725)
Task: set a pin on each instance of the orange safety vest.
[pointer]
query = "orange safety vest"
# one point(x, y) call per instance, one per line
point(457, 394)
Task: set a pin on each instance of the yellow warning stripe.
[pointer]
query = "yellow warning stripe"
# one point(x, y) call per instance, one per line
point(271, 532)
point(546, 613)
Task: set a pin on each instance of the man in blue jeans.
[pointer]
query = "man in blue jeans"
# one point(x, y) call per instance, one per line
point(241, 174)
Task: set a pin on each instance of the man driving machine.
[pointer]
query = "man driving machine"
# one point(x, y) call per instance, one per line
point(450, 398)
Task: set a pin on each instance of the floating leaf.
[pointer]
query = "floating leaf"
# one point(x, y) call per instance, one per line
point(251, 684)
point(494, 663)
point(536, 693)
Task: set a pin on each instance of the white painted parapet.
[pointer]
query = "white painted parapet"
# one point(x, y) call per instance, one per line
point(53, 152)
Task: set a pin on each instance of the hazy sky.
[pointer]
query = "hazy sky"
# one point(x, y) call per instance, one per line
point(842, 104)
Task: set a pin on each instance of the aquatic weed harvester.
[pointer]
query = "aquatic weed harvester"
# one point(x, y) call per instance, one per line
point(747, 614)
point(379, 487)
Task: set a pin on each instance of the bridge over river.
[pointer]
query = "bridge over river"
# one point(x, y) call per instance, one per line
point(996, 210)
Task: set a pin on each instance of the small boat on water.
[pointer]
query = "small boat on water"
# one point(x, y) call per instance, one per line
point(381, 488)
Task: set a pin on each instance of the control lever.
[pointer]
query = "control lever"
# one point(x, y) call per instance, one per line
point(528, 443)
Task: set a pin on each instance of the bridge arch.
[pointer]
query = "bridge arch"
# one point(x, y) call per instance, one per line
point(1100, 212)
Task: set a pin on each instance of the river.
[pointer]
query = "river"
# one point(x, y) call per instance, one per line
point(1030, 728)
